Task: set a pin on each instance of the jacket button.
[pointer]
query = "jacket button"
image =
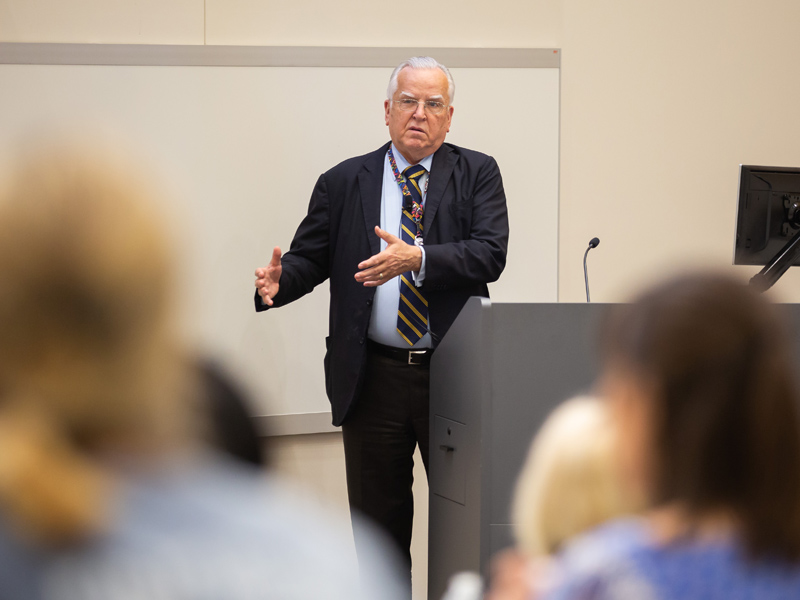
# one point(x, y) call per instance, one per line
point(361, 341)
point(369, 302)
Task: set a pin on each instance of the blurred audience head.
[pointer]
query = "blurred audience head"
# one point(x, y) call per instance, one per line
point(230, 425)
point(88, 356)
point(701, 379)
point(570, 482)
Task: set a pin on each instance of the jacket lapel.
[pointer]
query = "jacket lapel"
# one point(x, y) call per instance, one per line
point(444, 160)
point(370, 182)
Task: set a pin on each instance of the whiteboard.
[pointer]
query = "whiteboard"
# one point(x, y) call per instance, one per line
point(240, 148)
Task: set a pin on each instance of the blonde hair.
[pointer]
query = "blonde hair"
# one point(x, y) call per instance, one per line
point(569, 482)
point(88, 356)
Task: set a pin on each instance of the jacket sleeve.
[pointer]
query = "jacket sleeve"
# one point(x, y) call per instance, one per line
point(307, 263)
point(480, 256)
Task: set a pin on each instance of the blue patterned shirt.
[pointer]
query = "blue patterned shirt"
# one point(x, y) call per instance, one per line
point(622, 560)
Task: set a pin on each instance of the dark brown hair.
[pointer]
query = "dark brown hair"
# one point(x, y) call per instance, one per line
point(726, 416)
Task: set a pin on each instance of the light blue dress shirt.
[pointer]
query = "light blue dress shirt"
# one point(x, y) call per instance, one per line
point(383, 324)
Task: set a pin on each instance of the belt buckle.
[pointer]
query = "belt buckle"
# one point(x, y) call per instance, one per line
point(414, 353)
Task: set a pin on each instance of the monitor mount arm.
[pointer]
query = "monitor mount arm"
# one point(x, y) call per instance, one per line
point(785, 258)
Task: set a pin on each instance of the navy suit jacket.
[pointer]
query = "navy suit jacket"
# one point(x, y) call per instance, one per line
point(465, 226)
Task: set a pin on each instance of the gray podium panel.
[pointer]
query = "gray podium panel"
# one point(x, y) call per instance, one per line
point(497, 374)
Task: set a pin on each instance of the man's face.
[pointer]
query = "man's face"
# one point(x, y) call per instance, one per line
point(418, 133)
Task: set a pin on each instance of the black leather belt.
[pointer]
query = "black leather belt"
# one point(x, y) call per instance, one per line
point(407, 357)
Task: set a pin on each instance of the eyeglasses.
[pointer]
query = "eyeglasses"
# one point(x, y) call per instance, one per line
point(430, 106)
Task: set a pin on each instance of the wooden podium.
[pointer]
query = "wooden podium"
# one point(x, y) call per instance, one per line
point(494, 378)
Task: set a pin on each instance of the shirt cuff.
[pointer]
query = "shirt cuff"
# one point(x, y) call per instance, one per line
point(419, 278)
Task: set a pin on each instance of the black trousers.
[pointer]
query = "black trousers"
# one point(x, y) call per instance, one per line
point(389, 419)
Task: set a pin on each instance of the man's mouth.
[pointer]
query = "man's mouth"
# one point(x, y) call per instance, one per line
point(412, 128)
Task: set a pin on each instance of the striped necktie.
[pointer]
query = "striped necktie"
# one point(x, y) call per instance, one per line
point(412, 313)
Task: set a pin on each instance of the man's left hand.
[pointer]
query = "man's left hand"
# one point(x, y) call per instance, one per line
point(397, 258)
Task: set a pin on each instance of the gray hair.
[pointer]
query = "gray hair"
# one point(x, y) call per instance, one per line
point(421, 62)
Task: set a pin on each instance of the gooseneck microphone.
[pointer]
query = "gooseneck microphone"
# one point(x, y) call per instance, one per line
point(593, 243)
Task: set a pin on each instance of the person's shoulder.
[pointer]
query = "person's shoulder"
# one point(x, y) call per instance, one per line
point(21, 564)
point(466, 154)
point(612, 541)
point(602, 561)
point(240, 529)
point(356, 163)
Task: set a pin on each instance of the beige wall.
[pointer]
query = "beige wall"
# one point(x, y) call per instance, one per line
point(660, 103)
point(103, 22)
point(510, 23)
point(660, 100)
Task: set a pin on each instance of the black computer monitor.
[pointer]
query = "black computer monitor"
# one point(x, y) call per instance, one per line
point(768, 221)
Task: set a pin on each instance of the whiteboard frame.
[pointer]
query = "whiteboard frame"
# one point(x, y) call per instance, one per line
point(14, 53)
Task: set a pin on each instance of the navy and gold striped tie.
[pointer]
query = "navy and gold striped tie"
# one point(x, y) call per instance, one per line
point(412, 314)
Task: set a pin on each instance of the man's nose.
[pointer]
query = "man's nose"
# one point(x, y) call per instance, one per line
point(419, 112)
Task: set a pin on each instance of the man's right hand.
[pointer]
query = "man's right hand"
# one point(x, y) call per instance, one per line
point(267, 278)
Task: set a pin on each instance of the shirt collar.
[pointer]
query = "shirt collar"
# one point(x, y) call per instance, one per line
point(402, 163)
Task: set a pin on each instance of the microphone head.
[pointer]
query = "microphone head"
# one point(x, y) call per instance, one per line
point(594, 242)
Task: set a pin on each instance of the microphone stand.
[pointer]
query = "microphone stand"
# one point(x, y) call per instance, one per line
point(585, 272)
point(593, 243)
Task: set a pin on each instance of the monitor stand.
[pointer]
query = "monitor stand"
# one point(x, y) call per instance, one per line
point(778, 265)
